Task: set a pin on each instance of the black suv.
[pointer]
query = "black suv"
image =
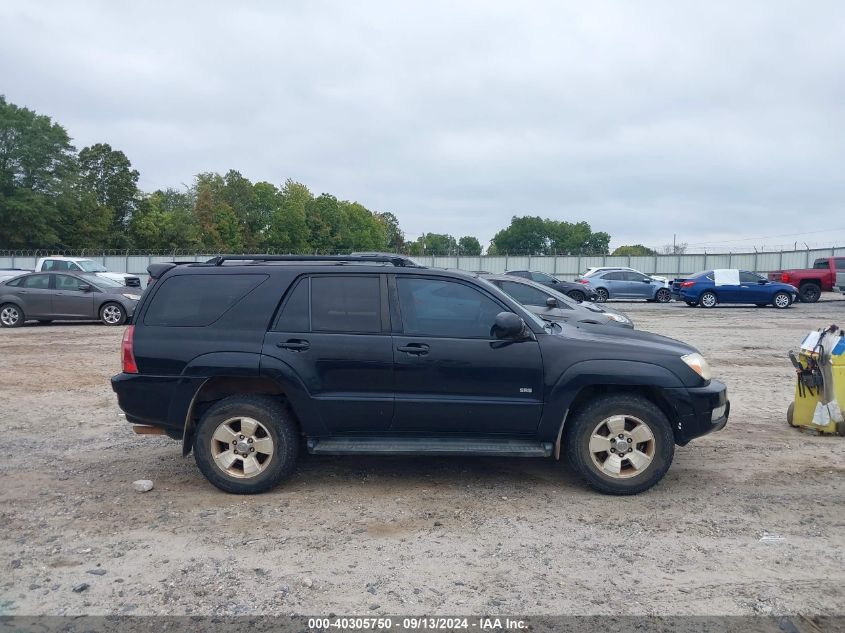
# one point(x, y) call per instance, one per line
point(249, 360)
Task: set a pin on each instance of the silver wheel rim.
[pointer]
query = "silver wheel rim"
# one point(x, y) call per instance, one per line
point(781, 301)
point(622, 446)
point(663, 295)
point(9, 315)
point(708, 300)
point(601, 295)
point(242, 447)
point(112, 314)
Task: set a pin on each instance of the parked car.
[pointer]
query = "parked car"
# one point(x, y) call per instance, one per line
point(712, 287)
point(551, 305)
point(57, 263)
point(592, 270)
point(46, 297)
point(248, 359)
point(812, 281)
point(579, 292)
point(626, 284)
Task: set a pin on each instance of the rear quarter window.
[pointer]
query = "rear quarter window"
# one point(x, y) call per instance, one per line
point(198, 300)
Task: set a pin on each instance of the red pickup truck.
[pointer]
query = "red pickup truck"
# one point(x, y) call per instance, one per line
point(812, 281)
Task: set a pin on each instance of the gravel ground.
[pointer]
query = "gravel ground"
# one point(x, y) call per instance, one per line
point(419, 535)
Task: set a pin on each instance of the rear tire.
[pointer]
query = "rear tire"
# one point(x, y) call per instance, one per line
point(663, 295)
point(601, 295)
point(810, 292)
point(264, 420)
point(11, 315)
point(782, 300)
point(708, 300)
point(645, 432)
point(577, 295)
point(112, 314)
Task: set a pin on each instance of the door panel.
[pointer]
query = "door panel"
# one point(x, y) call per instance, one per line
point(36, 296)
point(69, 301)
point(451, 375)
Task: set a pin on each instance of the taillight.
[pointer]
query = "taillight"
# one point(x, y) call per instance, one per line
point(583, 281)
point(129, 365)
point(687, 284)
point(784, 277)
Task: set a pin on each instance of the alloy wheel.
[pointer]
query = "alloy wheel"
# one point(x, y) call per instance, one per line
point(601, 295)
point(242, 447)
point(9, 316)
point(622, 446)
point(782, 300)
point(112, 315)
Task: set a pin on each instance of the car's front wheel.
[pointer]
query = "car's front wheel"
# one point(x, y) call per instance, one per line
point(782, 300)
point(577, 295)
point(620, 444)
point(663, 295)
point(246, 444)
point(601, 295)
point(11, 315)
point(112, 314)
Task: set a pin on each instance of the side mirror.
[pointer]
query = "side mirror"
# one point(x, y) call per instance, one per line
point(551, 302)
point(508, 325)
point(85, 287)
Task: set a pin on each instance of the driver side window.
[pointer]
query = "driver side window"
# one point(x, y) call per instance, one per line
point(445, 308)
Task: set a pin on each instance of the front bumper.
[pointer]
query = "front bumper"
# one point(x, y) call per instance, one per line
point(698, 410)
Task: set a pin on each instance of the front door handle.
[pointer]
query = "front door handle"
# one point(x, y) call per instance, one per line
point(417, 349)
point(297, 345)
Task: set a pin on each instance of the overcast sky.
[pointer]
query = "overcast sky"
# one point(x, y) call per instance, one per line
point(716, 121)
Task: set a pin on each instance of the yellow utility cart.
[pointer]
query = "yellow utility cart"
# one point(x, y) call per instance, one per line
point(820, 383)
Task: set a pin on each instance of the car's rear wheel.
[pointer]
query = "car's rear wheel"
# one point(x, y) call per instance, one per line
point(11, 315)
point(620, 444)
point(708, 300)
point(782, 300)
point(246, 444)
point(577, 295)
point(602, 295)
point(112, 314)
point(663, 295)
point(810, 292)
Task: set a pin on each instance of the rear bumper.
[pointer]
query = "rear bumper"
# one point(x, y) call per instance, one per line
point(698, 410)
point(155, 400)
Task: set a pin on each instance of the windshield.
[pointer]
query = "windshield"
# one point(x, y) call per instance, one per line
point(91, 266)
point(527, 313)
point(102, 282)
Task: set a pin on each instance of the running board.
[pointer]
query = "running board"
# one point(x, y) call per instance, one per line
point(428, 446)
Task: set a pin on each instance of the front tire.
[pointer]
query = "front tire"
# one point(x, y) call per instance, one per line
point(601, 295)
point(620, 444)
point(663, 295)
point(577, 295)
point(810, 292)
point(246, 444)
point(708, 300)
point(11, 315)
point(112, 314)
point(782, 300)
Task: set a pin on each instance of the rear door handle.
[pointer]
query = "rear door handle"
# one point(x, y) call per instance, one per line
point(297, 345)
point(417, 349)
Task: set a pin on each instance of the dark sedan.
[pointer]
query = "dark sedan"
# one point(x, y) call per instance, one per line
point(551, 305)
point(577, 291)
point(46, 297)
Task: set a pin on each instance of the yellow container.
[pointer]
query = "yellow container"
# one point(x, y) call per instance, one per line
point(800, 413)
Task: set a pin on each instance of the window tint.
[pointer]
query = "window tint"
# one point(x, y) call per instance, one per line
point(839, 262)
point(434, 307)
point(636, 277)
point(526, 295)
point(198, 300)
point(14, 282)
point(36, 281)
point(746, 277)
point(345, 304)
point(294, 316)
point(614, 276)
point(821, 264)
point(542, 277)
point(66, 282)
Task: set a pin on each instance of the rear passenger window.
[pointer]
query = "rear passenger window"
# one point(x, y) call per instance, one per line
point(294, 316)
point(40, 282)
point(198, 300)
point(345, 304)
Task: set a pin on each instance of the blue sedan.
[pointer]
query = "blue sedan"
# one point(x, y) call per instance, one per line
point(712, 287)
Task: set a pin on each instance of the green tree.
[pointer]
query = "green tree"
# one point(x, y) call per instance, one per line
point(394, 237)
point(364, 230)
point(165, 221)
point(469, 245)
point(108, 175)
point(433, 244)
point(288, 231)
point(27, 220)
point(633, 250)
point(327, 224)
point(526, 235)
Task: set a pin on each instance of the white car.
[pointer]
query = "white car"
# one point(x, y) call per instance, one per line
point(592, 270)
point(83, 265)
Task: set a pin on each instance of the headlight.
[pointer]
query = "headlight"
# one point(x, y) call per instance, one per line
point(618, 317)
point(697, 363)
point(132, 297)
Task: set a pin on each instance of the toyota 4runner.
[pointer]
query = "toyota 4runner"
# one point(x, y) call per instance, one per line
point(250, 360)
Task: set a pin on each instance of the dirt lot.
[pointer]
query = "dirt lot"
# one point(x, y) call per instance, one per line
point(422, 535)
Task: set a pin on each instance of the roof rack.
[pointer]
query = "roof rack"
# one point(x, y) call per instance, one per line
point(378, 259)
